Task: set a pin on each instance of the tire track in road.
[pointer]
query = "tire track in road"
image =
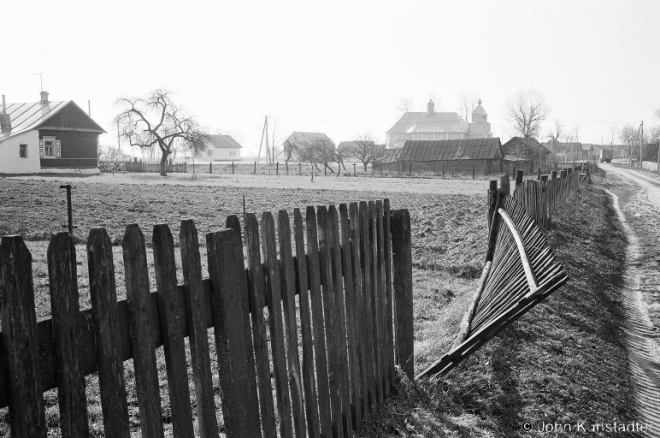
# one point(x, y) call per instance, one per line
point(641, 336)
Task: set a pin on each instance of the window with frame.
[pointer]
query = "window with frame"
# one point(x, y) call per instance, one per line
point(23, 151)
point(49, 146)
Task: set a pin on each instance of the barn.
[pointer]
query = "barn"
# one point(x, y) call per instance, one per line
point(481, 155)
point(47, 137)
point(223, 148)
point(525, 153)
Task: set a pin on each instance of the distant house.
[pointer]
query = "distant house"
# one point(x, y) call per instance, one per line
point(431, 125)
point(528, 150)
point(223, 148)
point(484, 155)
point(48, 137)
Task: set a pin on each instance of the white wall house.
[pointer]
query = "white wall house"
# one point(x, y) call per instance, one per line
point(47, 137)
point(222, 148)
point(432, 125)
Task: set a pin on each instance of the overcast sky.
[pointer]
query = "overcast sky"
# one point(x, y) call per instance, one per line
point(338, 67)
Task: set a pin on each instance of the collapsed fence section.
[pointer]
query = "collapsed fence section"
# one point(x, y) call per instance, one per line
point(344, 275)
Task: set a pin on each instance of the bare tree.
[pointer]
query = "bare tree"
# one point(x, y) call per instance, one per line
point(364, 148)
point(629, 137)
point(404, 105)
point(158, 120)
point(576, 133)
point(467, 101)
point(613, 131)
point(527, 111)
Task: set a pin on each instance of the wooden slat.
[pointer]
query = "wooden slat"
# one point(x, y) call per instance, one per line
point(340, 320)
point(376, 310)
point(171, 310)
point(309, 379)
point(529, 274)
point(142, 331)
point(351, 307)
point(402, 283)
point(382, 304)
point(318, 323)
point(248, 365)
point(358, 281)
point(199, 348)
point(277, 342)
point(389, 326)
point(288, 277)
point(19, 336)
point(239, 407)
point(63, 281)
point(331, 324)
point(367, 308)
point(257, 293)
point(103, 293)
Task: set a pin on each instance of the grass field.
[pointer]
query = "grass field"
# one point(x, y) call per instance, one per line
point(550, 365)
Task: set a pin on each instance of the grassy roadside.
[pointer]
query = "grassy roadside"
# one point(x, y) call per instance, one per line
point(564, 362)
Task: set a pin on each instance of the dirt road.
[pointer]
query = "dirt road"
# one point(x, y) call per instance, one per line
point(640, 286)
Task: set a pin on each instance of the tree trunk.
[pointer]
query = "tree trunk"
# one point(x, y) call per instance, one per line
point(325, 163)
point(163, 163)
point(365, 164)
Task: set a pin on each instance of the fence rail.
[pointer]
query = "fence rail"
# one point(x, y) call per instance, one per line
point(354, 287)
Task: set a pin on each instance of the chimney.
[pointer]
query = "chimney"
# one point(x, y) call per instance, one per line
point(5, 119)
point(430, 107)
point(44, 97)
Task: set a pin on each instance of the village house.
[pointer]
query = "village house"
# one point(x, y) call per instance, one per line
point(526, 153)
point(223, 148)
point(47, 137)
point(432, 125)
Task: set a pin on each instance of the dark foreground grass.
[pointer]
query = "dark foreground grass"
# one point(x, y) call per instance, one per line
point(563, 364)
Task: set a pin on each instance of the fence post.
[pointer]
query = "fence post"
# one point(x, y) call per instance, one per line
point(19, 332)
point(443, 170)
point(504, 184)
point(403, 293)
point(519, 177)
point(232, 167)
point(210, 167)
point(410, 170)
point(300, 169)
point(277, 168)
point(538, 174)
point(514, 172)
point(492, 190)
point(354, 169)
point(255, 167)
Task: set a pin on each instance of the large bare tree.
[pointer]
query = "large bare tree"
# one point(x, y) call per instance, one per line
point(156, 120)
point(629, 136)
point(527, 110)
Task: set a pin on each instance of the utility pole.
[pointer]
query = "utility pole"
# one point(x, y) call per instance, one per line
point(263, 132)
point(641, 143)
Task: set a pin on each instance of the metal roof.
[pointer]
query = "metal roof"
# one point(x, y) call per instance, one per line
point(27, 116)
point(223, 142)
point(418, 122)
point(446, 150)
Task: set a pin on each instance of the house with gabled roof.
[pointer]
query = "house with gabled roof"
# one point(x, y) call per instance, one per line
point(47, 137)
point(432, 125)
point(521, 149)
point(222, 148)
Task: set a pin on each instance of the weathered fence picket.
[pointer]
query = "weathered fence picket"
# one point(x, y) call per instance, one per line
point(342, 273)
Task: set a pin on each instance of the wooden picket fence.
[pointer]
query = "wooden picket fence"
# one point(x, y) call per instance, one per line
point(354, 307)
point(541, 198)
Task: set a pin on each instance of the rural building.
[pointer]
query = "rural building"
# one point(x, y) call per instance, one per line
point(483, 155)
point(223, 148)
point(48, 137)
point(432, 125)
point(525, 153)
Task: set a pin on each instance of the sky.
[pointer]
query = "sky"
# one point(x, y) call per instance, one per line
point(338, 67)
